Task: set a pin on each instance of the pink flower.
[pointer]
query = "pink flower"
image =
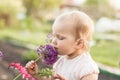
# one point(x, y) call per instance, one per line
point(22, 70)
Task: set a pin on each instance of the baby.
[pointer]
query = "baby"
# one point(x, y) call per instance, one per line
point(72, 33)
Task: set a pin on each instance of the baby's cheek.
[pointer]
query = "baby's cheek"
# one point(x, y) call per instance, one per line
point(61, 51)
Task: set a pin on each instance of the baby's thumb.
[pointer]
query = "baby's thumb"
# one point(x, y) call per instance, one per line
point(31, 67)
point(57, 76)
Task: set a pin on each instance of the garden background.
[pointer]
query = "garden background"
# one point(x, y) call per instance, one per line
point(24, 25)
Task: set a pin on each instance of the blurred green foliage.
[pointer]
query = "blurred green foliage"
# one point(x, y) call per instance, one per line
point(106, 52)
point(8, 14)
point(102, 7)
point(36, 37)
point(33, 10)
point(33, 25)
point(96, 2)
point(30, 55)
point(38, 8)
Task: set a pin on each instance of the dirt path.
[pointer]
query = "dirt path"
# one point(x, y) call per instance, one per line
point(11, 53)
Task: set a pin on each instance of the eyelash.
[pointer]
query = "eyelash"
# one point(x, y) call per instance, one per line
point(60, 38)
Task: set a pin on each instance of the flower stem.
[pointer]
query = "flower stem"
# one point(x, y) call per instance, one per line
point(37, 59)
point(17, 76)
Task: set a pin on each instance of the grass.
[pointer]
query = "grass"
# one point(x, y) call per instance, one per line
point(107, 52)
point(26, 36)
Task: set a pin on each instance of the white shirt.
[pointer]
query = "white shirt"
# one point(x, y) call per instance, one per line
point(75, 69)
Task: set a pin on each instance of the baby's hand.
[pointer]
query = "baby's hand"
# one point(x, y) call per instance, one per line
point(31, 67)
point(59, 77)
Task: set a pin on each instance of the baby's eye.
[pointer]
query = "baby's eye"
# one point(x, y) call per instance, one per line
point(61, 38)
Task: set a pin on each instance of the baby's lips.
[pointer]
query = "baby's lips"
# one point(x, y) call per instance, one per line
point(55, 48)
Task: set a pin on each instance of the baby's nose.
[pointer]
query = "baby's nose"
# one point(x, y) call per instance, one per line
point(54, 42)
point(55, 46)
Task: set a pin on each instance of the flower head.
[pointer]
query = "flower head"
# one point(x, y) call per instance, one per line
point(48, 54)
point(21, 69)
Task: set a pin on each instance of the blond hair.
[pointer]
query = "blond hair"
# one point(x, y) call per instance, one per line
point(82, 23)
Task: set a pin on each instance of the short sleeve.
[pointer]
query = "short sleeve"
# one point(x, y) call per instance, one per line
point(88, 68)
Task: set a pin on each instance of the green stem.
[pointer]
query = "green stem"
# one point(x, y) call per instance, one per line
point(37, 59)
point(17, 76)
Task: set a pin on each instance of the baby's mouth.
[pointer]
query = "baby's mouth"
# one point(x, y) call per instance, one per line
point(56, 48)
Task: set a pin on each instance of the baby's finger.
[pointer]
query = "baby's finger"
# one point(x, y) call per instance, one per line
point(57, 76)
point(30, 64)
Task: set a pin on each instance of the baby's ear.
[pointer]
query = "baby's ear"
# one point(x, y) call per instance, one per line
point(79, 44)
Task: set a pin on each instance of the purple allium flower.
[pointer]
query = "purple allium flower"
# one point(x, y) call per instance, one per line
point(48, 54)
point(40, 49)
point(1, 54)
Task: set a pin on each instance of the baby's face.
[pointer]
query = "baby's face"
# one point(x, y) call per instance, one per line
point(64, 38)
